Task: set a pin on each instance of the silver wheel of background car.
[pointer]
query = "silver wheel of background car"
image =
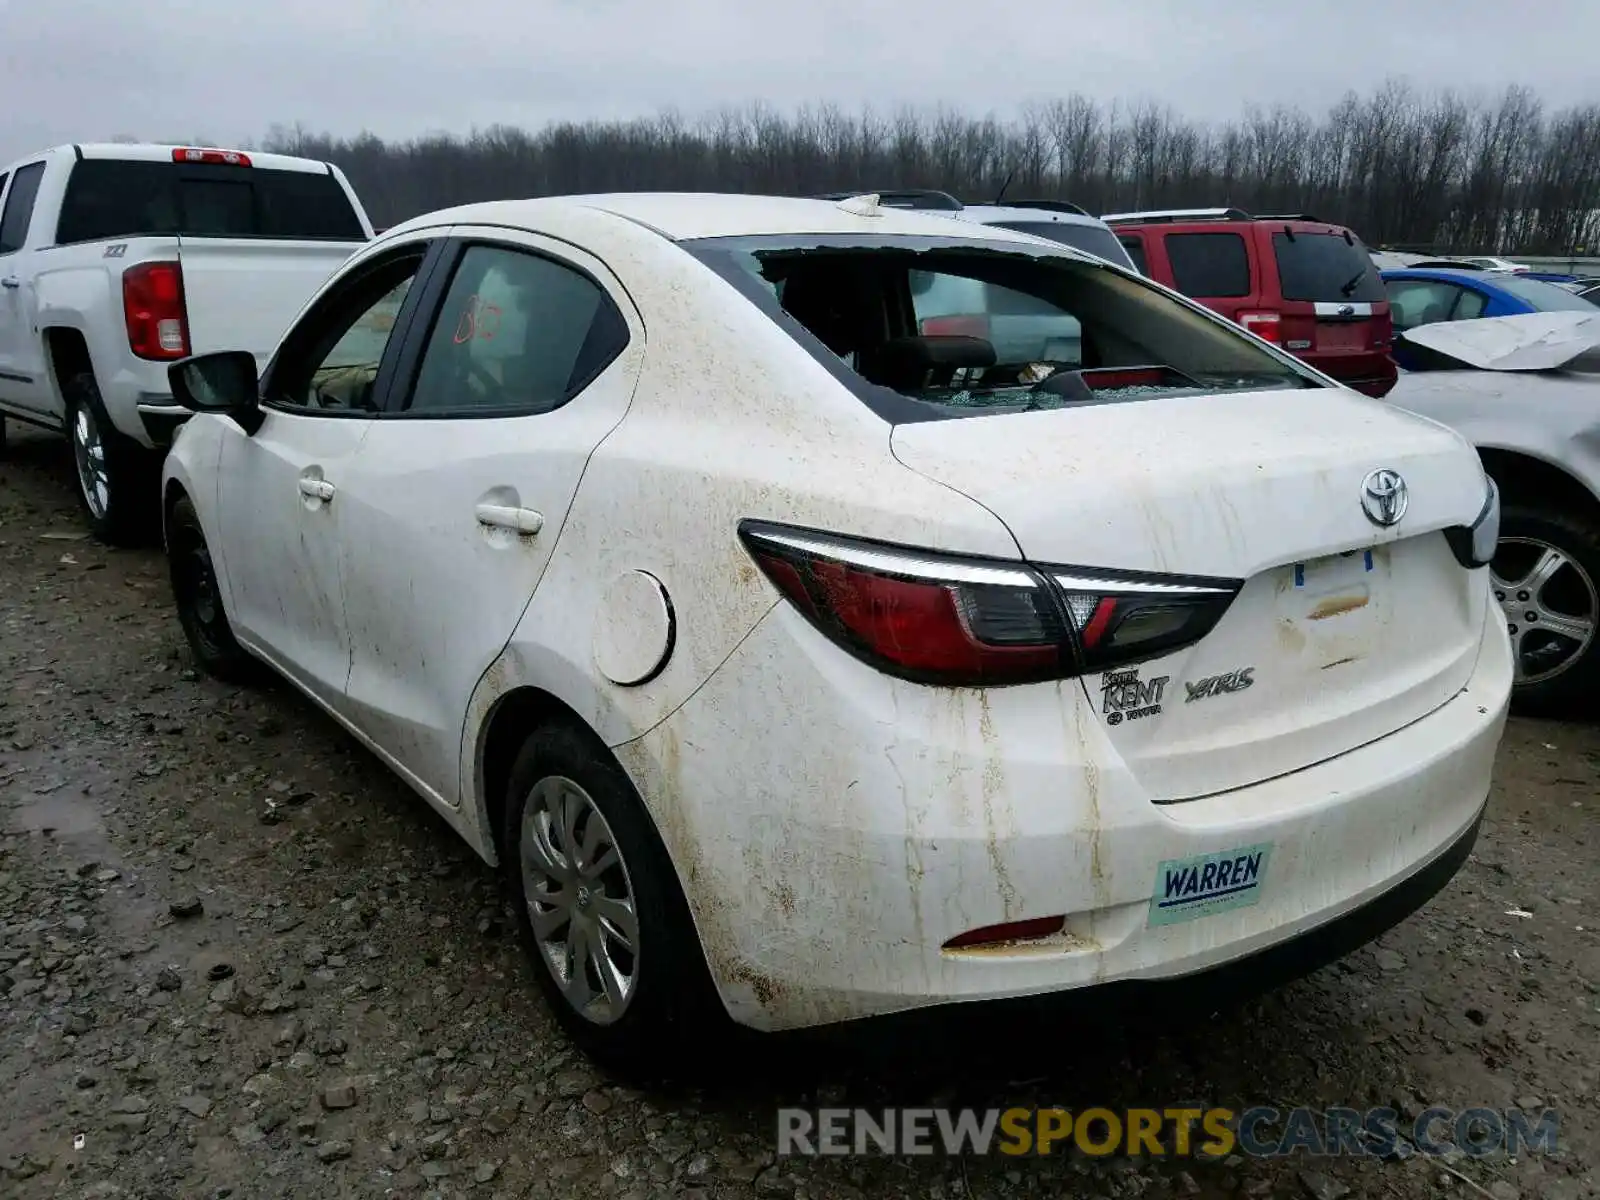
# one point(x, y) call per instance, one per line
point(580, 899)
point(1550, 604)
point(89, 453)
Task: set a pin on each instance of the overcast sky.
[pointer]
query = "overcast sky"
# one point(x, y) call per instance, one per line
point(226, 70)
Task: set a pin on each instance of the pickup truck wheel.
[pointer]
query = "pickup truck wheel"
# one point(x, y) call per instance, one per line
point(1546, 580)
point(198, 599)
point(613, 945)
point(114, 473)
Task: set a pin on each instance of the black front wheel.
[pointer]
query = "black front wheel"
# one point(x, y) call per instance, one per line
point(198, 598)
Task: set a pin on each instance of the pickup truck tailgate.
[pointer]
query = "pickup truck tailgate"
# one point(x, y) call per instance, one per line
point(242, 295)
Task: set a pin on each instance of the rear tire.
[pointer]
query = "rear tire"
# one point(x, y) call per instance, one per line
point(115, 475)
point(630, 913)
point(1548, 565)
point(198, 599)
point(3, 443)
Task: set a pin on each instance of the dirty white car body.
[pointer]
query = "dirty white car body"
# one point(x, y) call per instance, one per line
point(852, 839)
point(1525, 390)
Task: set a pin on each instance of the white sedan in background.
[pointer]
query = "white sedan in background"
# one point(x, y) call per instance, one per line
point(798, 666)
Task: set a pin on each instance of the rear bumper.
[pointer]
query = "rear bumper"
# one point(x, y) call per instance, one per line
point(1242, 978)
point(834, 829)
point(160, 417)
point(1371, 374)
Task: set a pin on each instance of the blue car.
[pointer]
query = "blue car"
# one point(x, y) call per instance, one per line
point(1428, 295)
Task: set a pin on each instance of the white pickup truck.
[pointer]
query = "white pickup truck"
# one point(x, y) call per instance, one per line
point(118, 260)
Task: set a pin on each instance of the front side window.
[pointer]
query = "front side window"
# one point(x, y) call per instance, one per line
point(517, 333)
point(1134, 245)
point(925, 328)
point(329, 362)
point(1417, 302)
point(1213, 265)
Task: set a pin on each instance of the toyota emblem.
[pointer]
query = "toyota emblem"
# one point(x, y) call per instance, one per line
point(1384, 497)
point(1347, 310)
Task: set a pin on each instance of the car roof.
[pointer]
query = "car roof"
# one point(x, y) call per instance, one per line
point(684, 216)
point(1441, 273)
point(986, 213)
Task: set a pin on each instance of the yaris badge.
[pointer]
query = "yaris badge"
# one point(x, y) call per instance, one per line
point(1384, 497)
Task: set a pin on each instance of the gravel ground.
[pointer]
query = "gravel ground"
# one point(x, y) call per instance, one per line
point(237, 958)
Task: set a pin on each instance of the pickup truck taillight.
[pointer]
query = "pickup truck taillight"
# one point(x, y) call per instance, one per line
point(152, 305)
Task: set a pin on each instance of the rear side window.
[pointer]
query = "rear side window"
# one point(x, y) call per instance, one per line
point(924, 328)
point(1135, 248)
point(19, 207)
point(1542, 296)
point(108, 198)
point(1209, 264)
point(517, 333)
point(1325, 267)
point(1091, 239)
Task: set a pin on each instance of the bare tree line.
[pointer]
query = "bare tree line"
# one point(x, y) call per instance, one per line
point(1404, 169)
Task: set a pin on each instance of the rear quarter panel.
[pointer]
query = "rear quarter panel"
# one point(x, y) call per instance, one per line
point(731, 419)
point(79, 287)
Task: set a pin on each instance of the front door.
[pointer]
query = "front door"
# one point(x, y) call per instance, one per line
point(452, 506)
point(22, 382)
point(279, 499)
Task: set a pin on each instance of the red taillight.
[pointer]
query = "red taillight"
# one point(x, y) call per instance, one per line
point(228, 158)
point(960, 325)
point(995, 936)
point(1267, 326)
point(152, 306)
point(957, 620)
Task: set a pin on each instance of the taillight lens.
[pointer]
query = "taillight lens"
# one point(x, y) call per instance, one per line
point(153, 307)
point(1268, 326)
point(959, 325)
point(1474, 545)
point(228, 158)
point(1123, 617)
point(963, 621)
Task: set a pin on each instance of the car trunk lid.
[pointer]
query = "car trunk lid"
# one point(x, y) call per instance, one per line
point(1343, 631)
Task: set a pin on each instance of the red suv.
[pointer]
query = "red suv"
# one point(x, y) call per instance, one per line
point(1304, 284)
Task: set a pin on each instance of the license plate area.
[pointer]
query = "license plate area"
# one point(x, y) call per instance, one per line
point(1341, 335)
point(1340, 583)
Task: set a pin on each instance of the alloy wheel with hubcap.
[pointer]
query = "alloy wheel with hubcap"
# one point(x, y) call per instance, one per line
point(1550, 604)
point(580, 899)
point(598, 898)
point(89, 455)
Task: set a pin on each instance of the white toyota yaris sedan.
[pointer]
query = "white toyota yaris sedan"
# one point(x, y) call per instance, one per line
point(803, 659)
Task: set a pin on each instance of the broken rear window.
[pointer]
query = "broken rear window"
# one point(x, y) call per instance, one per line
point(922, 328)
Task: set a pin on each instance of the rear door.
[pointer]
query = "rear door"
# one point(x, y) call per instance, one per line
point(524, 355)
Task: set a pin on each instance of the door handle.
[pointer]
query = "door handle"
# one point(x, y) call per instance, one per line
point(317, 489)
point(501, 516)
point(11, 281)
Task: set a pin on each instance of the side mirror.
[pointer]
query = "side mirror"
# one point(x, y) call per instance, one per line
point(225, 382)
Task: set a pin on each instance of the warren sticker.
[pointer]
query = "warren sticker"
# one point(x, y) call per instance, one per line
point(1187, 888)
